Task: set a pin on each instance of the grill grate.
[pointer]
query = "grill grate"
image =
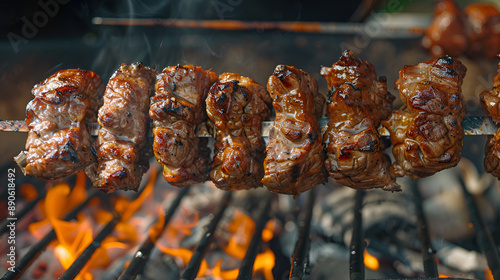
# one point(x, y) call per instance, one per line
point(142, 255)
point(300, 257)
point(37, 249)
point(246, 267)
point(194, 264)
point(300, 260)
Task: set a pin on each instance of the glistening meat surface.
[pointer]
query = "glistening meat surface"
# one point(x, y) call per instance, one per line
point(294, 154)
point(59, 143)
point(490, 100)
point(427, 131)
point(236, 105)
point(357, 101)
point(176, 109)
point(122, 152)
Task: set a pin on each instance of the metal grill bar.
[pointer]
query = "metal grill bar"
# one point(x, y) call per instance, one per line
point(430, 265)
point(356, 261)
point(246, 267)
point(85, 256)
point(37, 249)
point(19, 215)
point(483, 235)
point(300, 257)
point(136, 266)
point(194, 264)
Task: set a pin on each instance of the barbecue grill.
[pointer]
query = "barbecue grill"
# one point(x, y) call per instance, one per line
point(107, 34)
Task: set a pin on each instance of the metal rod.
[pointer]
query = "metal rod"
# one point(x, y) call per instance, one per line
point(472, 125)
point(194, 264)
point(288, 26)
point(140, 258)
point(300, 257)
point(246, 267)
point(19, 215)
point(357, 248)
point(85, 256)
point(37, 249)
point(483, 235)
point(430, 265)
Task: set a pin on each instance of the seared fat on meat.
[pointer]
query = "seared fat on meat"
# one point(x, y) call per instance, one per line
point(122, 153)
point(294, 160)
point(176, 109)
point(490, 100)
point(357, 101)
point(236, 105)
point(59, 143)
point(427, 131)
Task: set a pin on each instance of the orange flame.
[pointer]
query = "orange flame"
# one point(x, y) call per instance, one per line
point(242, 228)
point(488, 275)
point(28, 192)
point(443, 276)
point(370, 261)
point(74, 236)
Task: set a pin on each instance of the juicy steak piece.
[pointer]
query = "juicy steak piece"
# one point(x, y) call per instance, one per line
point(122, 152)
point(59, 143)
point(236, 105)
point(357, 101)
point(427, 131)
point(490, 100)
point(176, 109)
point(294, 160)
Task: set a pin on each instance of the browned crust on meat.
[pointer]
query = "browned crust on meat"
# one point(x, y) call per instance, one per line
point(121, 146)
point(236, 105)
point(490, 101)
point(427, 131)
point(357, 101)
point(176, 109)
point(294, 160)
point(59, 143)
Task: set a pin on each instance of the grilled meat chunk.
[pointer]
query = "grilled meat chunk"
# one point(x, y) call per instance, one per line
point(236, 105)
point(427, 131)
point(357, 102)
point(176, 109)
point(122, 153)
point(294, 160)
point(58, 142)
point(490, 100)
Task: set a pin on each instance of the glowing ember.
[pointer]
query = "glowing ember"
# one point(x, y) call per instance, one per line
point(443, 276)
point(370, 261)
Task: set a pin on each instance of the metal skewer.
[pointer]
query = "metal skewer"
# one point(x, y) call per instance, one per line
point(472, 126)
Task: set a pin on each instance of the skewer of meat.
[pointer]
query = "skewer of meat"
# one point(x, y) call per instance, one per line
point(236, 105)
point(490, 101)
point(59, 143)
point(294, 160)
point(122, 153)
point(357, 101)
point(176, 109)
point(427, 133)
